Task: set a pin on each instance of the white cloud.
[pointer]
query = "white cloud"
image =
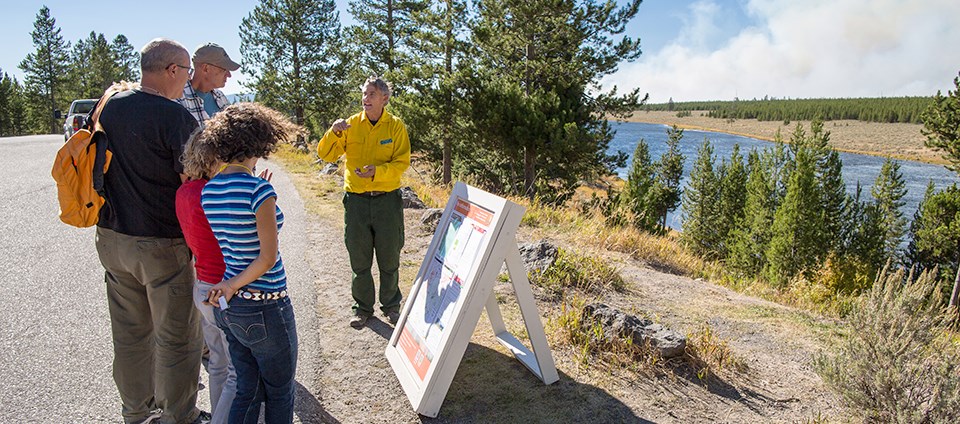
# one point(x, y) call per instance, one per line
point(805, 49)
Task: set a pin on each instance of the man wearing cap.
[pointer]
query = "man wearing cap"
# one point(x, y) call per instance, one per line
point(201, 95)
point(203, 99)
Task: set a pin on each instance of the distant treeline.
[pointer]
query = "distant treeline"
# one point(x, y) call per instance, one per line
point(885, 109)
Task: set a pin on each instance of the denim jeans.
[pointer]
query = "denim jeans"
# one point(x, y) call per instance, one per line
point(223, 378)
point(262, 338)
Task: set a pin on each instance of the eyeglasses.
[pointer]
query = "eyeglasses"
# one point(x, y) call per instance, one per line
point(189, 69)
point(215, 66)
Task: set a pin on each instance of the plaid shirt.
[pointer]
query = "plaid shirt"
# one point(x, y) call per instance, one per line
point(194, 103)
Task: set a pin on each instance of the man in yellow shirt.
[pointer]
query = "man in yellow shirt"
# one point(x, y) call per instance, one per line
point(378, 151)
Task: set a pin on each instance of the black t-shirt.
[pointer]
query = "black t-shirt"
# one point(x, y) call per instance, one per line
point(147, 135)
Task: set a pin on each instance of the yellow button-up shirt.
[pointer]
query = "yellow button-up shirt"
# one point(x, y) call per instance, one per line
point(384, 145)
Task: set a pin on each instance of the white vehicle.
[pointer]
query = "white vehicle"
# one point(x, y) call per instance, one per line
point(77, 116)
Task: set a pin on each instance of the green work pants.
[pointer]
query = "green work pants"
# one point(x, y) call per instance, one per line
point(374, 224)
point(156, 328)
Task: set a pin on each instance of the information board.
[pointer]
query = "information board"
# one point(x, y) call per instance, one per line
point(475, 236)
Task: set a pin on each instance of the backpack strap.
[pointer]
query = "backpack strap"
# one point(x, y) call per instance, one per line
point(93, 122)
point(99, 140)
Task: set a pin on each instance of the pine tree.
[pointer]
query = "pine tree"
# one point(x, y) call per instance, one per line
point(6, 100)
point(637, 195)
point(45, 71)
point(833, 197)
point(292, 51)
point(19, 114)
point(532, 90)
point(913, 255)
point(750, 242)
point(701, 205)
point(431, 111)
point(941, 125)
point(888, 192)
point(795, 242)
point(936, 235)
point(858, 256)
point(93, 67)
point(733, 197)
point(669, 169)
point(382, 35)
point(126, 59)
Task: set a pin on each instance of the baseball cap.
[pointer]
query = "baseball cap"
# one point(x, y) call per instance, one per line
point(215, 55)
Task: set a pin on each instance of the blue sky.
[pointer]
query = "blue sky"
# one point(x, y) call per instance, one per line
point(692, 49)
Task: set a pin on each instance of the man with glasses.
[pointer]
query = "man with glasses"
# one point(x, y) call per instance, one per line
point(202, 95)
point(149, 274)
point(202, 98)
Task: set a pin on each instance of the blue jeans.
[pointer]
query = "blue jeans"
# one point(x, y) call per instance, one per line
point(262, 338)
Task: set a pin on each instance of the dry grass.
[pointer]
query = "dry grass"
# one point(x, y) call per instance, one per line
point(316, 192)
point(710, 354)
point(900, 141)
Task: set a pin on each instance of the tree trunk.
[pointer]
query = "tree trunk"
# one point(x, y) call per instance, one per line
point(448, 67)
point(529, 159)
point(956, 287)
point(53, 117)
point(391, 41)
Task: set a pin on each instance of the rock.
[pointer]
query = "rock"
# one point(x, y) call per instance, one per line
point(538, 256)
point(668, 343)
point(410, 199)
point(301, 144)
point(329, 169)
point(430, 218)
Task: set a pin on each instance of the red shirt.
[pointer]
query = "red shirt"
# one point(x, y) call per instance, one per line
point(197, 232)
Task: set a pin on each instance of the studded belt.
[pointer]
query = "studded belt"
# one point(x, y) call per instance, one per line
point(257, 296)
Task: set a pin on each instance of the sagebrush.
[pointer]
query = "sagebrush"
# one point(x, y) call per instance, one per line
point(900, 361)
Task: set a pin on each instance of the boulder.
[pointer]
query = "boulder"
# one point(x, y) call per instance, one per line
point(644, 332)
point(329, 169)
point(538, 256)
point(410, 199)
point(430, 219)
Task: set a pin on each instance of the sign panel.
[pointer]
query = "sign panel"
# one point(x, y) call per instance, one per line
point(475, 235)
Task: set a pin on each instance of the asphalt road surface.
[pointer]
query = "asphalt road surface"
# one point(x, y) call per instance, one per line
point(55, 347)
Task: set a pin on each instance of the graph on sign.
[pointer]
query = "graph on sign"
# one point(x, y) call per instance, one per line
point(444, 283)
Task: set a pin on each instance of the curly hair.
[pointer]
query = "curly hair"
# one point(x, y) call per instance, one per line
point(237, 133)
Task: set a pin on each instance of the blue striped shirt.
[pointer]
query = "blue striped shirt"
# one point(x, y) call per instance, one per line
point(230, 202)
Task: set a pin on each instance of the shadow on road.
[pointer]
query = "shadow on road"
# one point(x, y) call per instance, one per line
point(491, 387)
point(381, 328)
point(307, 407)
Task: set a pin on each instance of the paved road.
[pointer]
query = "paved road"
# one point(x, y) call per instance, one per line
point(55, 347)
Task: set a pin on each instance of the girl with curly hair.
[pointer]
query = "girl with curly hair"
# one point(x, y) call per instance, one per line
point(251, 302)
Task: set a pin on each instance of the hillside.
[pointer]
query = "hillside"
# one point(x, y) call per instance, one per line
point(901, 141)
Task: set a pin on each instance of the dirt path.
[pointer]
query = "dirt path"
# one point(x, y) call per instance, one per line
point(355, 383)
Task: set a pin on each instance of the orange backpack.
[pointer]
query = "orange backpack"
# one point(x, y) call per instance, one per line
point(79, 168)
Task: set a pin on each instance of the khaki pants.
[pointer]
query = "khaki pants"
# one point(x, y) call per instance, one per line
point(156, 329)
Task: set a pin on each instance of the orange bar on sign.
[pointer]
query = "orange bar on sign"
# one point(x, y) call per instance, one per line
point(474, 212)
point(416, 355)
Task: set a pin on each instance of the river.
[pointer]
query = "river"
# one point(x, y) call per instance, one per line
point(856, 167)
